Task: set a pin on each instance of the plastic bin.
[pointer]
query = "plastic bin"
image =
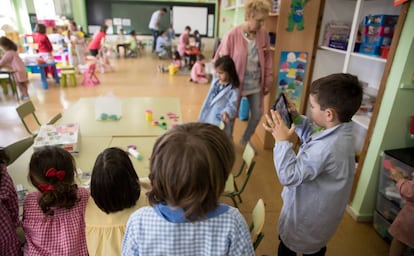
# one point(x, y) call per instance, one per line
point(381, 225)
point(370, 49)
point(377, 40)
point(388, 209)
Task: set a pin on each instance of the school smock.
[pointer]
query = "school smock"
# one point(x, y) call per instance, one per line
point(95, 44)
point(402, 228)
point(60, 234)
point(104, 232)
point(43, 42)
point(160, 230)
point(9, 215)
point(317, 183)
point(183, 41)
point(217, 102)
point(198, 73)
point(11, 59)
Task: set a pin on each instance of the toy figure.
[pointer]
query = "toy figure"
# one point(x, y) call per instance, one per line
point(296, 15)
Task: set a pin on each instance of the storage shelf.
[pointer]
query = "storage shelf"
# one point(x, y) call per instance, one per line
point(329, 49)
point(369, 57)
point(362, 120)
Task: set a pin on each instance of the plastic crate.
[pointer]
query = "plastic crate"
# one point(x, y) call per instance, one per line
point(33, 69)
point(381, 225)
point(388, 209)
point(377, 40)
point(381, 20)
point(370, 49)
point(401, 159)
point(379, 30)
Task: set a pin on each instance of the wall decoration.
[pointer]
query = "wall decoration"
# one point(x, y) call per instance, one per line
point(295, 16)
point(291, 75)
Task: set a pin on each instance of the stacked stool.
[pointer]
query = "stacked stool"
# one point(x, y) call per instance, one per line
point(68, 71)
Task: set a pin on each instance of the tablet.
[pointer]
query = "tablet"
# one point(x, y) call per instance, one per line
point(281, 106)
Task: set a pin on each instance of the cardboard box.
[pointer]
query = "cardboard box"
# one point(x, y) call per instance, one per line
point(65, 136)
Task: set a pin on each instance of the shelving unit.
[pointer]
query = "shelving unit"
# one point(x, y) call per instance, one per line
point(369, 68)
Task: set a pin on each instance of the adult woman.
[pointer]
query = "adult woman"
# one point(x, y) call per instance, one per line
point(248, 46)
point(96, 42)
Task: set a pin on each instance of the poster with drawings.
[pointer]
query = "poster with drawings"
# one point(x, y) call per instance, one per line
point(291, 74)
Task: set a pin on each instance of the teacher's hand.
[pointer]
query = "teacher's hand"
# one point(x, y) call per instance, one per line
point(266, 90)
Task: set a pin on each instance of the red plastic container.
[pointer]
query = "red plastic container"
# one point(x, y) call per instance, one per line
point(384, 51)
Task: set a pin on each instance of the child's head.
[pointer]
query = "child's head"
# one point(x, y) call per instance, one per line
point(73, 26)
point(187, 29)
point(7, 44)
point(114, 183)
point(52, 172)
point(40, 28)
point(121, 31)
point(103, 28)
point(176, 56)
point(201, 58)
point(163, 33)
point(189, 166)
point(196, 33)
point(226, 71)
point(335, 97)
point(132, 33)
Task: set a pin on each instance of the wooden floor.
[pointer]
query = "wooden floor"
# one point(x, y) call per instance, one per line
point(139, 77)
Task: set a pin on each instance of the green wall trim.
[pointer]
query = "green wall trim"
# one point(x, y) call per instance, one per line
point(391, 128)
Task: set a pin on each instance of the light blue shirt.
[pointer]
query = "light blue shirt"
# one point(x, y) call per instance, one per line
point(317, 184)
point(161, 41)
point(149, 233)
point(217, 102)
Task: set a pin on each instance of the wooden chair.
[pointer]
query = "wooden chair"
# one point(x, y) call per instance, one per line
point(258, 220)
point(27, 109)
point(16, 149)
point(231, 190)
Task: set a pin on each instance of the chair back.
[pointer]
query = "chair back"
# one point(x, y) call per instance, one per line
point(16, 149)
point(248, 156)
point(24, 110)
point(258, 220)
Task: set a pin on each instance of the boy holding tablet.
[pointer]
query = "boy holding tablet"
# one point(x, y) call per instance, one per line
point(318, 180)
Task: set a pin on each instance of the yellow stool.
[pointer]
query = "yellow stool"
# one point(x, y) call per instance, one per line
point(70, 72)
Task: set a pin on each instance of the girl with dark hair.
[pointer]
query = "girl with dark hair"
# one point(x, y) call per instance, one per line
point(220, 104)
point(97, 41)
point(115, 191)
point(11, 59)
point(54, 216)
point(44, 46)
point(189, 166)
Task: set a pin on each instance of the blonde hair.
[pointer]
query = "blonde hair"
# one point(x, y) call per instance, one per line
point(253, 7)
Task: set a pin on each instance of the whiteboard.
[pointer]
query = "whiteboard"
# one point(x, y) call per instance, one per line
point(195, 17)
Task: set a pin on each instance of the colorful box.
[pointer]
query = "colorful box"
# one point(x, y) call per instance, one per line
point(65, 136)
point(378, 40)
point(379, 30)
point(370, 49)
point(381, 20)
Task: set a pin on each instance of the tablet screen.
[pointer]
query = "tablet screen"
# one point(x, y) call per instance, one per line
point(281, 106)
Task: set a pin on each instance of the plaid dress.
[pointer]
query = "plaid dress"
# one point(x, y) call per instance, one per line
point(60, 234)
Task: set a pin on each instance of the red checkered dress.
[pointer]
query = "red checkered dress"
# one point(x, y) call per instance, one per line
point(9, 214)
point(60, 234)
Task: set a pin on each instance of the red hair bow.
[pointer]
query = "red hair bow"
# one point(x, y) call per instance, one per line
point(52, 172)
point(46, 187)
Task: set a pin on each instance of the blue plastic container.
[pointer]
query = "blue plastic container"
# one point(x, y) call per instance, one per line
point(244, 109)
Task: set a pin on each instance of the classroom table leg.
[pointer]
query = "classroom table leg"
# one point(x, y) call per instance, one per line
point(43, 77)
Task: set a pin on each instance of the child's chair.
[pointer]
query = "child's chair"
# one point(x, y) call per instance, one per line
point(68, 71)
point(89, 76)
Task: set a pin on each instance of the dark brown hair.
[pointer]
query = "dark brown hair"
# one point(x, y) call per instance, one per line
point(341, 92)
point(114, 183)
point(40, 28)
point(226, 63)
point(7, 44)
point(64, 194)
point(189, 167)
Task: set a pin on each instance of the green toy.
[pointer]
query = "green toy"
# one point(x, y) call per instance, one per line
point(296, 15)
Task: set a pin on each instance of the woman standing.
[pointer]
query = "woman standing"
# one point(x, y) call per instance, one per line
point(248, 46)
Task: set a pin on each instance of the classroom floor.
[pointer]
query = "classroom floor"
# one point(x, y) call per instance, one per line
point(139, 77)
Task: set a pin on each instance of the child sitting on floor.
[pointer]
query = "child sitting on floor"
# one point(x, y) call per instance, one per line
point(198, 73)
point(175, 64)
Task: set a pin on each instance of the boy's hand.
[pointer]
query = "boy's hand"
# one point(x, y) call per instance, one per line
point(225, 117)
point(277, 127)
